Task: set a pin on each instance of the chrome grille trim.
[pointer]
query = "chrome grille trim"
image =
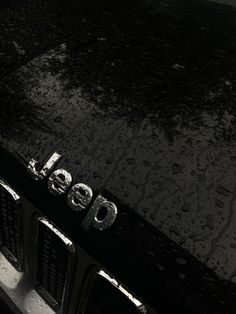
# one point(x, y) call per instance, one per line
point(15, 196)
point(139, 305)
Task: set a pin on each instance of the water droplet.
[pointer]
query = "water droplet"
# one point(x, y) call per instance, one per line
point(181, 261)
point(182, 276)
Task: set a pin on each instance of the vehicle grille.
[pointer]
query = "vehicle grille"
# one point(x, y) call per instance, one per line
point(50, 258)
point(9, 221)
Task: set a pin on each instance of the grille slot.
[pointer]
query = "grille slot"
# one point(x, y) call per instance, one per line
point(105, 295)
point(53, 265)
point(10, 215)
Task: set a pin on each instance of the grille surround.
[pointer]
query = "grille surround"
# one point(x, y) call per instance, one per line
point(12, 223)
point(49, 282)
point(99, 273)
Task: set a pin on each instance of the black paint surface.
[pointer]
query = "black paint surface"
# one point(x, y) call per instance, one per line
point(139, 98)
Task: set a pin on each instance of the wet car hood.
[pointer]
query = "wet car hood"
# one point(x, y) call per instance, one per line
point(140, 101)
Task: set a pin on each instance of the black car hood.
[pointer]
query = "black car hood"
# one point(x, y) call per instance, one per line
point(140, 101)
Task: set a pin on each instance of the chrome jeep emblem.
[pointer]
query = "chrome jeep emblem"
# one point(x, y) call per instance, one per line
point(80, 195)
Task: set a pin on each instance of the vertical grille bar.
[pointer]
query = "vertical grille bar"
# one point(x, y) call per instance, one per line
point(10, 225)
point(54, 264)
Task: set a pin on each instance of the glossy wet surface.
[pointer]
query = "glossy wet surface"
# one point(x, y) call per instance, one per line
point(140, 100)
